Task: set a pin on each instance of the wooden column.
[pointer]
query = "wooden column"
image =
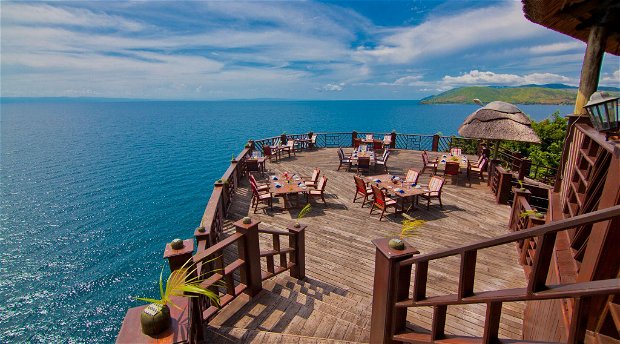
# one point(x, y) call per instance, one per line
point(504, 187)
point(524, 168)
point(591, 68)
point(391, 285)
point(298, 241)
point(249, 251)
point(435, 143)
point(177, 258)
point(393, 138)
point(353, 137)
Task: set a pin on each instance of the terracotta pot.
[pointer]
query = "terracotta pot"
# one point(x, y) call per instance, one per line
point(155, 319)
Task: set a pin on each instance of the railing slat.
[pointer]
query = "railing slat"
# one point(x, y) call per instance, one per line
point(491, 323)
point(467, 273)
point(439, 321)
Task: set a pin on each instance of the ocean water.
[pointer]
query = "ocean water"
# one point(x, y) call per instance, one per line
point(91, 192)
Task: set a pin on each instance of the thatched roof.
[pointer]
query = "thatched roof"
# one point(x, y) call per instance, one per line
point(499, 121)
point(575, 17)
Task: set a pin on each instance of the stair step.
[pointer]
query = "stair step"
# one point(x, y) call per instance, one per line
point(225, 335)
point(270, 311)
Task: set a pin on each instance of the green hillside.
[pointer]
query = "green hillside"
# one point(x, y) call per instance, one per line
point(516, 95)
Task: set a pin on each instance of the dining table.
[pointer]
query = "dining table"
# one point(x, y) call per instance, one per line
point(286, 184)
point(396, 187)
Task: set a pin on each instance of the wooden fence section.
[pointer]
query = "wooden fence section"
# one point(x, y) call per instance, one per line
point(392, 284)
point(522, 217)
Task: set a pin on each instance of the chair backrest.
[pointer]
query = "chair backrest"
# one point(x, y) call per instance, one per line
point(377, 144)
point(267, 150)
point(483, 164)
point(290, 143)
point(251, 165)
point(315, 175)
point(412, 176)
point(424, 158)
point(480, 160)
point(378, 194)
point(368, 136)
point(452, 168)
point(387, 139)
point(455, 151)
point(356, 142)
point(253, 186)
point(322, 184)
point(363, 162)
point(435, 184)
point(386, 154)
point(340, 154)
point(313, 139)
point(359, 184)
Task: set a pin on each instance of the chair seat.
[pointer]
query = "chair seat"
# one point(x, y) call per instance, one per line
point(430, 194)
point(264, 196)
point(262, 187)
point(346, 160)
point(431, 164)
point(315, 192)
point(309, 183)
point(389, 201)
point(475, 169)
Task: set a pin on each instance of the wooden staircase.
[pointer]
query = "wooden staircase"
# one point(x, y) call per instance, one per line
point(288, 310)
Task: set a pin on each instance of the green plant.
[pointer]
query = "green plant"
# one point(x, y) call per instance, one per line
point(304, 211)
point(532, 212)
point(521, 185)
point(409, 226)
point(179, 282)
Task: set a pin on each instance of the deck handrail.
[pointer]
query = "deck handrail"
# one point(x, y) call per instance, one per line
point(393, 291)
point(550, 228)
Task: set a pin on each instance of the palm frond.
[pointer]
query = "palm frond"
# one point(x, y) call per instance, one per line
point(304, 211)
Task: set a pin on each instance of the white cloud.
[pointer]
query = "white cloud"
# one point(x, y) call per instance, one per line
point(557, 47)
point(443, 35)
point(613, 78)
point(333, 87)
point(476, 77)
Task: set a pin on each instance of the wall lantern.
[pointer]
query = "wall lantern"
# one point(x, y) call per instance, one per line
point(603, 111)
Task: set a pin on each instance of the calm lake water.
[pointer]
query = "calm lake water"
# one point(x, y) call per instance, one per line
point(91, 192)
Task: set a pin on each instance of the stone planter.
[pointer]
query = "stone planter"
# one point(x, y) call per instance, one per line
point(155, 319)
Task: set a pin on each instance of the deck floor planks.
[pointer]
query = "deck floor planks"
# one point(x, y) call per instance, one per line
point(339, 251)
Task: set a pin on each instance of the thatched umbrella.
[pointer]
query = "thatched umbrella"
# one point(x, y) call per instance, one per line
point(499, 121)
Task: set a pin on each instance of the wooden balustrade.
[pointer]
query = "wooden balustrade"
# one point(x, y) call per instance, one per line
point(290, 258)
point(500, 182)
point(393, 282)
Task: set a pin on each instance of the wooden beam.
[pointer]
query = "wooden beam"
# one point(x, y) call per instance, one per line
point(591, 68)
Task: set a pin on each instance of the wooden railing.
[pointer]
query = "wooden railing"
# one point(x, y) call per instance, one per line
point(420, 142)
point(230, 272)
point(392, 284)
point(522, 217)
point(523, 167)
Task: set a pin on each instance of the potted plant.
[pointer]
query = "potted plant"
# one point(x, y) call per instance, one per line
point(532, 212)
point(303, 212)
point(156, 316)
point(408, 229)
point(521, 187)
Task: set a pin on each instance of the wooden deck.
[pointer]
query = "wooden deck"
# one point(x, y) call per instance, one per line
point(335, 299)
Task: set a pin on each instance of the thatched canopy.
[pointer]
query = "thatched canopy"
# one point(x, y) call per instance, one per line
point(576, 17)
point(499, 121)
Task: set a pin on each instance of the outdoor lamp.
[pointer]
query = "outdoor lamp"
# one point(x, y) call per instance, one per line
point(603, 111)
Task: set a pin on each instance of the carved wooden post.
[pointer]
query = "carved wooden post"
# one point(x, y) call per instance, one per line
point(201, 234)
point(514, 217)
point(393, 138)
point(353, 137)
point(177, 258)
point(249, 251)
point(591, 68)
point(219, 184)
point(435, 143)
point(390, 286)
point(524, 168)
point(505, 184)
point(298, 241)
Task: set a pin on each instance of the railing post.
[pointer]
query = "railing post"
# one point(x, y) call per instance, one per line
point(249, 251)
point(201, 234)
point(504, 187)
point(353, 137)
point(298, 241)
point(177, 258)
point(393, 138)
point(391, 284)
point(435, 143)
point(514, 217)
point(524, 168)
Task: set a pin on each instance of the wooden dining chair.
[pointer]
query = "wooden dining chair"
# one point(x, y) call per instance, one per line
point(318, 192)
point(251, 165)
point(363, 163)
point(383, 160)
point(314, 180)
point(453, 168)
point(471, 168)
point(427, 164)
point(381, 201)
point(412, 176)
point(258, 185)
point(435, 185)
point(369, 137)
point(260, 197)
point(344, 160)
point(362, 189)
point(269, 153)
point(377, 145)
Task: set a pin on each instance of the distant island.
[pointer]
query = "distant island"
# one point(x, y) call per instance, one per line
point(550, 94)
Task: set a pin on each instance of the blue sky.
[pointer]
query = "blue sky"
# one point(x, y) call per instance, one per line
point(291, 50)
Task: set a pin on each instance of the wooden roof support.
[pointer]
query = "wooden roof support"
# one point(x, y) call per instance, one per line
point(591, 67)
